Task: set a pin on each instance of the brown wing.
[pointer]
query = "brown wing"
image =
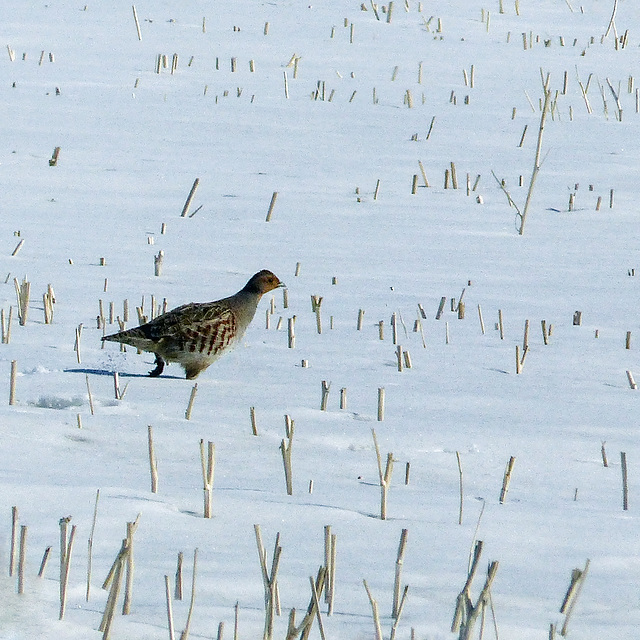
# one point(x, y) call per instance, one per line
point(207, 333)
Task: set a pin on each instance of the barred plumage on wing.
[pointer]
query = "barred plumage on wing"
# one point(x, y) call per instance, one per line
point(198, 333)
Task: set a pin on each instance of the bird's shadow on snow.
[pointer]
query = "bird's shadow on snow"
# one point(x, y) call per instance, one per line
point(104, 372)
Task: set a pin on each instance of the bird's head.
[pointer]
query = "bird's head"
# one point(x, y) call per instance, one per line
point(263, 282)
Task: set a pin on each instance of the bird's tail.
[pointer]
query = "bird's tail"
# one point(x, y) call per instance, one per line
point(134, 337)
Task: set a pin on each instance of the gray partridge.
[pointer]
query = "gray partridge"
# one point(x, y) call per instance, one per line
point(197, 334)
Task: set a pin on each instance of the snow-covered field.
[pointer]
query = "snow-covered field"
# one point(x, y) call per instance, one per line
point(333, 109)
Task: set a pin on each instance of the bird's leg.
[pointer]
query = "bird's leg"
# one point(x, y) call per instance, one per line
point(159, 367)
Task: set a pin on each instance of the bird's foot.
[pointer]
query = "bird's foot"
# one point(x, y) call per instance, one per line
point(159, 367)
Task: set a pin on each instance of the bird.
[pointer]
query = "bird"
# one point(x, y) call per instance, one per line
point(198, 333)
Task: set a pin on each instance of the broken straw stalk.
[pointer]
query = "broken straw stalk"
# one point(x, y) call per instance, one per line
point(14, 540)
point(536, 163)
point(313, 610)
point(269, 578)
point(573, 592)
point(192, 193)
point(66, 546)
point(330, 541)
point(466, 613)
point(395, 611)
point(128, 592)
point(187, 628)
point(208, 466)
point(90, 546)
point(507, 479)
point(114, 578)
point(21, 557)
point(285, 448)
point(153, 462)
point(384, 476)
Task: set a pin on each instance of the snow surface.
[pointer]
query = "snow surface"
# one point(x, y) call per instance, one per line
point(133, 141)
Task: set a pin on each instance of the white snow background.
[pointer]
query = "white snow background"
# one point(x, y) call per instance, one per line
point(132, 141)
